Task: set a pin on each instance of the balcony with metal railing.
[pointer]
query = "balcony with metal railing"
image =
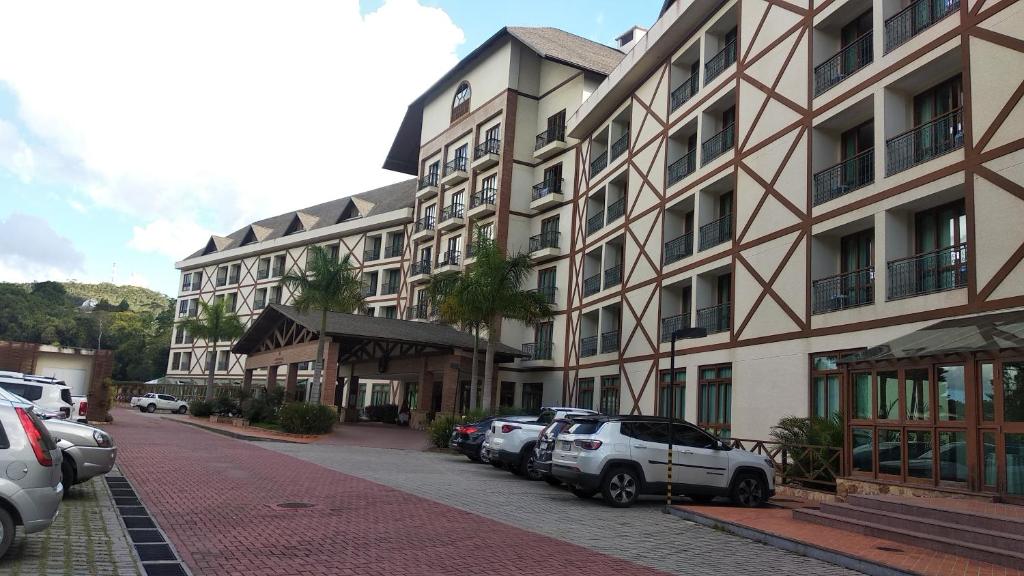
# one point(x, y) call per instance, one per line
point(481, 203)
point(450, 258)
point(913, 19)
point(545, 245)
point(672, 323)
point(588, 346)
point(388, 288)
point(418, 311)
point(427, 185)
point(714, 318)
point(678, 248)
point(595, 223)
point(683, 167)
point(682, 94)
point(842, 291)
point(485, 154)
point(455, 171)
point(546, 193)
point(615, 210)
point(592, 285)
point(613, 276)
point(715, 232)
point(843, 64)
point(609, 341)
point(932, 139)
point(620, 146)
point(538, 350)
point(718, 144)
point(393, 250)
point(419, 269)
point(550, 142)
point(423, 228)
point(371, 254)
point(844, 177)
point(935, 271)
point(452, 216)
point(599, 163)
point(719, 62)
point(370, 290)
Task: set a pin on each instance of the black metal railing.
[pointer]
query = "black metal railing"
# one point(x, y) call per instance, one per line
point(451, 211)
point(844, 63)
point(599, 163)
point(389, 288)
point(548, 293)
point(685, 91)
point(547, 187)
point(613, 276)
point(678, 248)
point(616, 210)
point(588, 346)
point(544, 240)
point(845, 177)
point(393, 250)
point(371, 254)
point(418, 311)
point(486, 196)
point(620, 145)
point(719, 62)
point(714, 318)
point(429, 180)
point(371, 290)
point(555, 134)
point(592, 285)
point(910, 21)
point(449, 258)
point(673, 323)
point(846, 290)
point(425, 223)
point(683, 167)
point(538, 350)
point(718, 144)
point(489, 146)
point(595, 222)
point(935, 271)
point(457, 164)
point(930, 140)
point(421, 267)
point(715, 232)
point(610, 341)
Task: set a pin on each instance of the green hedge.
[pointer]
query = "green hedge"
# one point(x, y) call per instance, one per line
point(301, 418)
point(200, 408)
point(441, 430)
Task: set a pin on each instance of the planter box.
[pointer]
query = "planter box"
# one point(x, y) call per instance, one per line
point(237, 422)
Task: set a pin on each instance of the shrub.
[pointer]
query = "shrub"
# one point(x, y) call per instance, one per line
point(263, 409)
point(200, 408)
point(225, 406)
point(301, 418)
point(441, 430)
point(382, 413)
point(811, 446)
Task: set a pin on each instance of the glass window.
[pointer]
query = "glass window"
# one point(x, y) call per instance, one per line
point(988, 392)
point(651, 432)
point(679, 389)
point(988, 458)
point(585, 393)
point(1013, 392)
point(951, 392)
point(825, 362)
point(953, 456)
point(714, 411)
point(533, 393)
point(684, 435)
point(919, 453)
point(609, 395)
point(862, 396)
point(1014, 464)
point(863, 449)
point(917, 394)
point(890, 452)
point(825, 395)
point(888, 396)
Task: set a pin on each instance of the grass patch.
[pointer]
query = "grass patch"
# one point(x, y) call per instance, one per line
point(273, 426)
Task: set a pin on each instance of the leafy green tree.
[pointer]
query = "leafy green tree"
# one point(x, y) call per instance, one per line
point(214, 323)
point(327, 285)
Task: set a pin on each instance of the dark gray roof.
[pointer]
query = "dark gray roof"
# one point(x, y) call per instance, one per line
point(378, 201)
point(361, 327)
point(987, 332)
point(551, 43)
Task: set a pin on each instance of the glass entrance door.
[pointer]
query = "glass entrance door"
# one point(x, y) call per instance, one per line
point(1001, 428)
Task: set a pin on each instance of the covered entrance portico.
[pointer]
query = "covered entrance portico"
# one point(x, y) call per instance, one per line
point(427, 361)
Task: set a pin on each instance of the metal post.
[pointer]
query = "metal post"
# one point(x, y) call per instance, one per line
point(671, 417)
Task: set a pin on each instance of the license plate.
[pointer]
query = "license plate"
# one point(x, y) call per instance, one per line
point(566, 445)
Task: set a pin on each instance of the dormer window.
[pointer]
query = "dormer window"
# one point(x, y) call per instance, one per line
point(211, 247)
point(295, 226)
point(351, 211)
point(250, 237)
point(460, 104)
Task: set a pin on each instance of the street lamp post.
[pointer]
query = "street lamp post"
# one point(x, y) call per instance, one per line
point(680, 334)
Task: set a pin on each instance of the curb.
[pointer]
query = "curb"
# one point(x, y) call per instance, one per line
point(231, 434)
point(796, 546)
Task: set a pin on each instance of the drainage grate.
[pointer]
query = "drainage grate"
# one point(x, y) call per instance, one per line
point(143, 536)
point(127, 501)
point(111, 479)
point(888, 549)
point(132, 511)
point(132, 522)
point(292, 505)
point(122, 492)
point(164, 570)
point(154, 552)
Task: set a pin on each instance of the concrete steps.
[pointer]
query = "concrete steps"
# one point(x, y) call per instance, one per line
point(988, 538)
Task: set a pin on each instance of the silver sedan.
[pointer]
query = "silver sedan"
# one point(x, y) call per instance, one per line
point(88, 451)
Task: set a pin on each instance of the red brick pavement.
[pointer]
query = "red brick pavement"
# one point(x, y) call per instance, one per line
point(215, 496)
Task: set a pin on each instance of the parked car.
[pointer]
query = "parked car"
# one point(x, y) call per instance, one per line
point(546, 446)
point(468, 439)
point(30, 489)
point(88, 451)
point(510, 442)
point(625, 456)
point(51, 397)
point(79, 404)
point(152, 402)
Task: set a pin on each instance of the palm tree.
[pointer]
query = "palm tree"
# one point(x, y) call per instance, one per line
point(326, 285)
point(214, 323)
point(455, 298)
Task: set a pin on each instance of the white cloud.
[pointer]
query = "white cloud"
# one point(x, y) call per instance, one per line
point(172, 238)
point(15, 154)
point(31, 250)
point(222, 111)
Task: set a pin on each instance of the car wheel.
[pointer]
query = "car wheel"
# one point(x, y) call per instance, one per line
point(142, 408)
point(620, 487)
point(6, 531)
point(748, 490)
point(552, 480)
point(583, 493)
point(67, 474)
point(484, 457)
point(183, 410)
point(528, 466)
point(151, 408)
point(701, 498)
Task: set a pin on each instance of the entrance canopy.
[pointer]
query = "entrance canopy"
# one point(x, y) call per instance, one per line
point(984, 333)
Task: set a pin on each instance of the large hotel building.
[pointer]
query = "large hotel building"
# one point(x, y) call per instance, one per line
point(833, 189)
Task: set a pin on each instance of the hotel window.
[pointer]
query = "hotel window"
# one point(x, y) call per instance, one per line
point(175, 360)
point(679, 388)
point(389, 311)
point(193, 307)
point(609, 395)
point(183, 307)
point(222, 360)
point(585, 393)
point(260, 301)
point(179, 335)
point(275, 295)
point(380, 394)
point(507, 395)
point(370, 311)
point(826, 385)
point(222, 276)
point(460, 103)
point(714, 413)
point(197, 280)
point(186, 361)
point(361, 397)
point(234, 273)
point(533, 396)
point(186, 282)
point(232, 301)
point(278, 266)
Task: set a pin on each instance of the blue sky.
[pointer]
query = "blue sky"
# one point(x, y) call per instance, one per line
point(122, 147)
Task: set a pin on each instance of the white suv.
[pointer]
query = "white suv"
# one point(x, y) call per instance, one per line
point(54, 398)
point(626, 456)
